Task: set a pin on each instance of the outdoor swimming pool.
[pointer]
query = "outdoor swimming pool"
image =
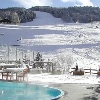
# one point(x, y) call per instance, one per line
point(25, 91)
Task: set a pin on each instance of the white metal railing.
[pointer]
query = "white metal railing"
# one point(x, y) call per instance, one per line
point(11, 53)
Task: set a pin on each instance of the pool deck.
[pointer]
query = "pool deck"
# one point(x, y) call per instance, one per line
point(79, 91)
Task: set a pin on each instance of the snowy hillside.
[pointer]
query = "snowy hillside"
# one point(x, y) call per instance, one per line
point(51, 36)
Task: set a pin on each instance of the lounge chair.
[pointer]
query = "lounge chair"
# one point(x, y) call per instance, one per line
point(22, 75)
point(7, 75)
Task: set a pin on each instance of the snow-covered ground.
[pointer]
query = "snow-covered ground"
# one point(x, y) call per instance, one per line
point(45, 77)
point(52, 36)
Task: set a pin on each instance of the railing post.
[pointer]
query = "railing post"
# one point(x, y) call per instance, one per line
point(33, 55)
point(8, 54)
point(16, 54)
point(90, 70)
point(22, 54)
point(52, 68)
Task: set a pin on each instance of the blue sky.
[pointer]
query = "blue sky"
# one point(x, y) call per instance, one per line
point(54, 3)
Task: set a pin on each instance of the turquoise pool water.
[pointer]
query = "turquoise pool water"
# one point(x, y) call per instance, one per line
point(25, 91)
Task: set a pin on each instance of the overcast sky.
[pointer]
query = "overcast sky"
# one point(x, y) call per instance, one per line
point(54, 3)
